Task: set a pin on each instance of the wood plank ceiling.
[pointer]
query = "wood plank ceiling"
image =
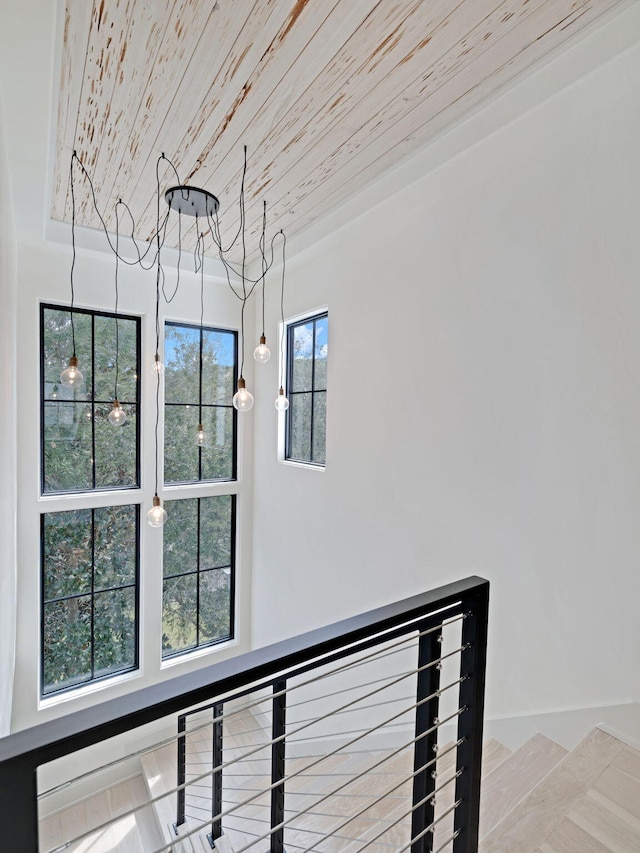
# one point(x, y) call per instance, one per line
point(326, 94)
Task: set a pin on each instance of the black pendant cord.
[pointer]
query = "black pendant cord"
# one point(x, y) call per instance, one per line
point(263, 259)
point(244, 260)
point(73, 248)
point(284, 261)
point(161, 225)
point(159, 277)
point(170, 299)
point(201, 251)
point(115, 393)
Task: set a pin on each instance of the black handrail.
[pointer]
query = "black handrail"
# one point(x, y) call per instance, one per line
point(22, 753)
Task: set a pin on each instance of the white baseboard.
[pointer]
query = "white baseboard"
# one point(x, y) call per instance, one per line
point(569, 727)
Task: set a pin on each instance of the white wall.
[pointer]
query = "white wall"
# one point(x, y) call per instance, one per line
point(8, 567)
point(484, 400)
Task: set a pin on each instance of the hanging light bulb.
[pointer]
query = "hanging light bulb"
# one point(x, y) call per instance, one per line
point(71, 377)
point(54, 393)
point(200, 438)
point(157, 515)
point(157, 368)
point(242, 399)
point(117, 416)
point(282, 404)
point(262, 353)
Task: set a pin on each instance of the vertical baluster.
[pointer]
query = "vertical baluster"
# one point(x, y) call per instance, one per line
point(428, 682)
point(470, 722)
point(278, 722)
point(182, 761)
point(216, 776)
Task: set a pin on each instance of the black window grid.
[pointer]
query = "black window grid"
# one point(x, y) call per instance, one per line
point(201, 570)
point(202, 406)
point(92, 401)
point(313, 392)
point(92, 594)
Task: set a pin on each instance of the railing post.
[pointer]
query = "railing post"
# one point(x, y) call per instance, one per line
point(19, 805)
point(470, 722)
point(216, 776)
point(278, 748)
point(182, 760)
point(428, 683)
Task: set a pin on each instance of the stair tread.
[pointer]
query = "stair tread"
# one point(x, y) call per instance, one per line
point(507, 784)
point(537, 815)
point(493, 754)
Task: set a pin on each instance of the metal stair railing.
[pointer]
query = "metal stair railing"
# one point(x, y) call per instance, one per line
point(252, 826)
point(315, 705)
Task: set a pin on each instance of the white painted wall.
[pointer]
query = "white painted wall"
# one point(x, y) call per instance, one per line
point(484, 395)
point(8, 564)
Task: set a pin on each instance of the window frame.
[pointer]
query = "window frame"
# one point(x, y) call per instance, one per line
point(90, 499)
point(234, 450)
point(198, 647)
point(92, 401)
point(291, 325)
point(93, 680)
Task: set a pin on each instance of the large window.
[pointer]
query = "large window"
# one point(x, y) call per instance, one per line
point(306, 427)
point(200, 379)
point(81, 450)
point(198, 585)
point(89, 553)
point(89, 595)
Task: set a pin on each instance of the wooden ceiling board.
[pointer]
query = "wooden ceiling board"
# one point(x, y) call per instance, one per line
point(325, 94)
point(234, 58)
point(218, 149)
point(384, 141)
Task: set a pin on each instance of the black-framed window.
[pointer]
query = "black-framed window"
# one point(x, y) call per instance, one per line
point(199, 381)
point(306, 423)
point(90, 599)
point(198, 588)
point(80, 449)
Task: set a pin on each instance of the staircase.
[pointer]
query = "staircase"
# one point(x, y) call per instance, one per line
point(538, 799)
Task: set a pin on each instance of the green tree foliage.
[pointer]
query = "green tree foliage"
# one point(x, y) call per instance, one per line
point(89, 594)
point(198, 391)
point(198, 566)
point(90, 578)
point(307, 424)
point(81, 449)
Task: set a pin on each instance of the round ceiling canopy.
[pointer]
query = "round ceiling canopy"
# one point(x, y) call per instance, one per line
point(192, 201)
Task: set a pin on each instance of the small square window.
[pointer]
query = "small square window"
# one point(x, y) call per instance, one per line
point(306, 422)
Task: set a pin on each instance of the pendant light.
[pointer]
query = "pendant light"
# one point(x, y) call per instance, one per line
point(281, 402)
point(117, 416)
point(200, 436)
point(242, 399)
point(262, 353)
point(157, 515)
point(71, 376)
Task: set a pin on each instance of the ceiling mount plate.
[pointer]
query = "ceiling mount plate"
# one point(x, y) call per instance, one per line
point(192, 201)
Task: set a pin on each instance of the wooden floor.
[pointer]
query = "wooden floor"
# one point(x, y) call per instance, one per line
point(137, 833)
point(538, 799)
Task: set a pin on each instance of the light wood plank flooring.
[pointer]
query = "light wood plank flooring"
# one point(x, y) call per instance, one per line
point(539, 799)
point(137, 833)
